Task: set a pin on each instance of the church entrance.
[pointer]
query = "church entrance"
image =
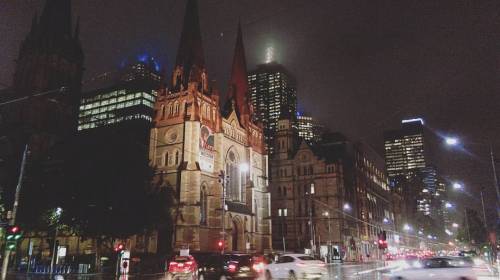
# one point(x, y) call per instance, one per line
point(234, 236)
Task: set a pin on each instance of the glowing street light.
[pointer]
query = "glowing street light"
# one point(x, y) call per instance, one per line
point(451, 141)
point(448, 205)
point(407, 227)
point(386, 221)
point(457, 186)
point(347, 207)
point(455, 225)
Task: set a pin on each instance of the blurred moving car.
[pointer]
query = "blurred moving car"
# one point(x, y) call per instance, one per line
point(295, 266)
point(438, 268)
point(182, 267)
point(227, 266)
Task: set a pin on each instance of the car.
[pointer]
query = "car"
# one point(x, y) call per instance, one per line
point(182, 267)
point(227, 266)
point(442, 268)
point(295, 266)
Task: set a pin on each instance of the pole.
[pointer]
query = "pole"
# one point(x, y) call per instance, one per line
point(495, 177)
point(467, 224)
point(311, 240)
point(223, 182)
point(54, 248)
point(5, 264)
point(283, 232)
point(484, 212)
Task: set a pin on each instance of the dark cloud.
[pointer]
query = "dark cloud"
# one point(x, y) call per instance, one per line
point(361, 66)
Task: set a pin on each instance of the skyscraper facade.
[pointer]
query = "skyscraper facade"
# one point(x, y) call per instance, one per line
point(404, 149)
point(131, 98)
point(309, 128)
point(272, 90)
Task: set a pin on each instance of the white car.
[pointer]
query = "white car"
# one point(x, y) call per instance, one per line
point(295, 266)
point(441, 268)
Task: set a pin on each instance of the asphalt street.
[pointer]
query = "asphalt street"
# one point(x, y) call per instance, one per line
point(373, 271)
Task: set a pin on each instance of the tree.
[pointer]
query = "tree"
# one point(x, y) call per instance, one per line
point(472, 229)
point(109, 192)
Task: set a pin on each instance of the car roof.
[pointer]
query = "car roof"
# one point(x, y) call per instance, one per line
point(296, 255)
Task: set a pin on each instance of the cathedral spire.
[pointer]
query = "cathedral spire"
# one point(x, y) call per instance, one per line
point(190, 62)
point(56, 18)
point(238, 84)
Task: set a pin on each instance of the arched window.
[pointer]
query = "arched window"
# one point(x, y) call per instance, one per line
point(169, 109)
point(165, 159)
point(162, 111)
point(203, 205)
point(235, 188)
point(176, 157)
point(176, 108)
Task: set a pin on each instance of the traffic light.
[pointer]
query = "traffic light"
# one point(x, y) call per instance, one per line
point(119, 247)
point(220, 244)
point(382, 240)
point(14, 234)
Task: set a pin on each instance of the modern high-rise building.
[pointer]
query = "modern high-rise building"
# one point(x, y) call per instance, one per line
point(272, 90)
point(130, 99)
point(404, 149)
point(309, 128)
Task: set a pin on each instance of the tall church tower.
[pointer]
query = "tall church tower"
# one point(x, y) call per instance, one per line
point(50, 59)
point(193, 144)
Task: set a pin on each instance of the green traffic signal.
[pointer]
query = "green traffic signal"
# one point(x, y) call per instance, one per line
point(17, 236)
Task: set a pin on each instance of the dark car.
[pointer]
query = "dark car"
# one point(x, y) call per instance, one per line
point(227, 266)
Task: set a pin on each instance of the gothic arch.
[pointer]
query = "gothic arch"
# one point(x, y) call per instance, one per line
point(237, 234)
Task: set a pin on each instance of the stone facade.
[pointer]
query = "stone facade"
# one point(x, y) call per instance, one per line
point(194, 140)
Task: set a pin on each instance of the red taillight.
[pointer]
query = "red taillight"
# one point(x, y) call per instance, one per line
point(259, 267)
point(231, 268)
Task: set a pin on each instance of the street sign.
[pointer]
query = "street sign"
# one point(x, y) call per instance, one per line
point(61, 251)
point(30, 248)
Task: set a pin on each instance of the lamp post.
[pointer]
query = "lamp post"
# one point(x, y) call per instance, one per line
point(57, 216)
point(222, 180)
point(283, 214)
point(311, 230)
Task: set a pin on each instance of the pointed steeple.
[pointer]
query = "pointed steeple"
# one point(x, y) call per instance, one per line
point(238, 84)
point(56, 18)
point(190, 61)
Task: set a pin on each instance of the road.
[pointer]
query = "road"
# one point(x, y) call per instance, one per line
point(335, 271)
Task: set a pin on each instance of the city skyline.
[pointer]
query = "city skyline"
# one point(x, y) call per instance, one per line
point(151, 155)
point(402, 50)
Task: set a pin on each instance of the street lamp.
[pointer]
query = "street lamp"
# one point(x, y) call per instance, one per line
point(455, 225)
point(451, 141)
point(457, 186)
point(407, 227)
point(327, 215)
point(56, 218)
point(283, 213)
point(347, 207)
point(448, 205)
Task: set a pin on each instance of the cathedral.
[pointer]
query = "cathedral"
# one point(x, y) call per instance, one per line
point(212, 156)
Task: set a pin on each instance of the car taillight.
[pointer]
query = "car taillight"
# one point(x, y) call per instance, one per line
point(231, 268)
point(259, 267)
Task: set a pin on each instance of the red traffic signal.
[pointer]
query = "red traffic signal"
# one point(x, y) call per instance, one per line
point(14, 229)
point(220, 244)
point(119, 247)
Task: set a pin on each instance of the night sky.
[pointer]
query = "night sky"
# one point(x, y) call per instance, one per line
point(361, 66)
